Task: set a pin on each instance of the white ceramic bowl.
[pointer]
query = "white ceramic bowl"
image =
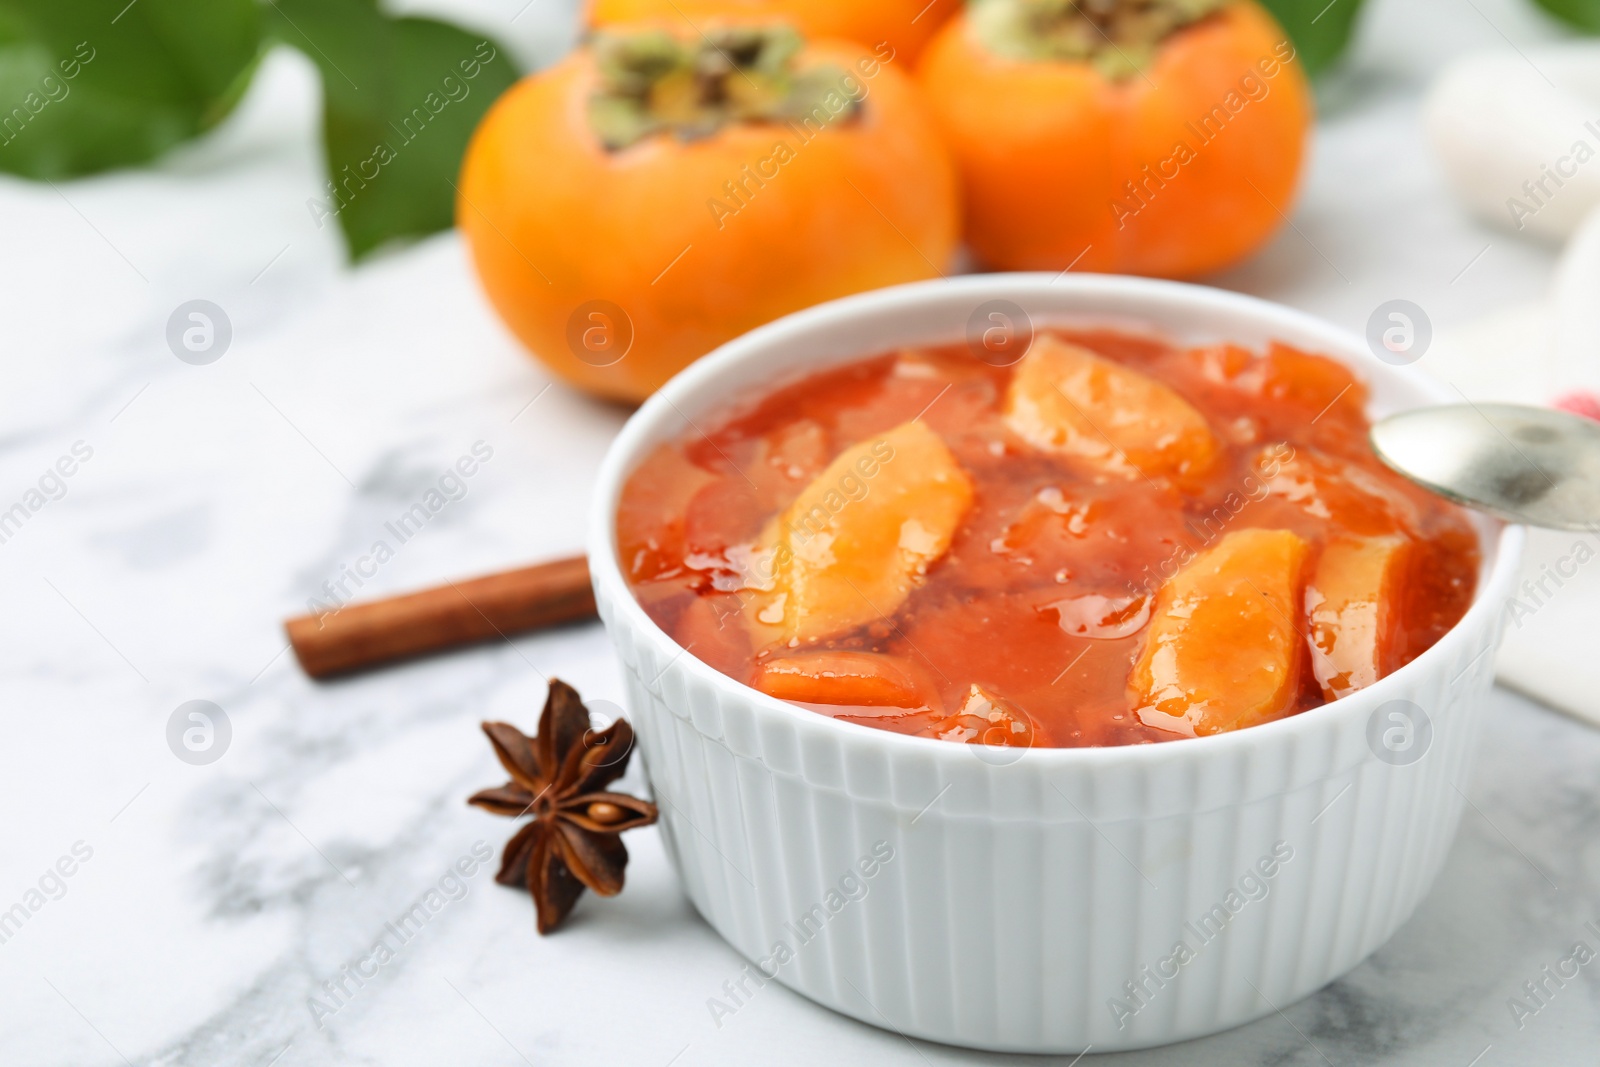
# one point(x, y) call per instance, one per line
point(965, 895)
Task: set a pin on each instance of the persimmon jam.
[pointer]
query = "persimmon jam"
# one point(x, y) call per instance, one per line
point(1114, 540)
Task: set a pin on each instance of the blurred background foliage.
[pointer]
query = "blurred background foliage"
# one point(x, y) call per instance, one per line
point(90, 85)
point(1584, 14)
point(1320, 33)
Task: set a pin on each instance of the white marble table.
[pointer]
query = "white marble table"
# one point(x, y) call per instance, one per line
point(207, 905)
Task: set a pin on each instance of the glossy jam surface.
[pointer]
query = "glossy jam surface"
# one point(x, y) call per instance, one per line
point(1112, 541)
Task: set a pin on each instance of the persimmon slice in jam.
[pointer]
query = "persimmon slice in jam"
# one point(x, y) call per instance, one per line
point(1114, 541)
point(1351, 605)
point(869, 679)
point(1223, 648)
point(1064, 398)
point(986, 719)
point(857, 540)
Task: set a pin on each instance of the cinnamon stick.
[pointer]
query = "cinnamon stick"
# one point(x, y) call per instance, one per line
point(358, 636)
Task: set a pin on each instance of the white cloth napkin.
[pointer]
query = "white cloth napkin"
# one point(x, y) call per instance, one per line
point(1519, 136)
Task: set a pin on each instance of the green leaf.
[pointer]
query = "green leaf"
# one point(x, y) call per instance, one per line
point(86, 85)
point(1584, 14)
point(1320, 30)
point(401, 98)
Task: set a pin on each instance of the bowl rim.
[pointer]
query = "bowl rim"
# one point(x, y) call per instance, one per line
point(640, 430)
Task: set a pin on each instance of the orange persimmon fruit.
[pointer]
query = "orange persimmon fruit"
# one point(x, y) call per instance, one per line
point(1158, 137)
point(904, 25)
point(655, 194)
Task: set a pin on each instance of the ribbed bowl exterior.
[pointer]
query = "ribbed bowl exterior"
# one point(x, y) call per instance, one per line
point(1047, 900)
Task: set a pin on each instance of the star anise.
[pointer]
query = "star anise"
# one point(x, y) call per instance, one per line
point(559, 777)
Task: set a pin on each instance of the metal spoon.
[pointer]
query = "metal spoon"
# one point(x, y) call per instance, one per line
point(1530, 465)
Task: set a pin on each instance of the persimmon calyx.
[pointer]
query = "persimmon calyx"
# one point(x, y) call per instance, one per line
point(651, 82)
point(1119, 38)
